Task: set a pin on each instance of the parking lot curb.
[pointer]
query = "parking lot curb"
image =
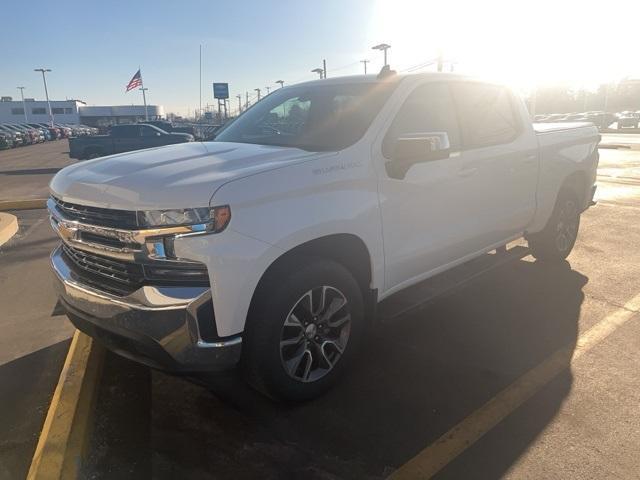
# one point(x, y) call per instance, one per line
point(8, 227)
point(26, 204)
point(62, 442)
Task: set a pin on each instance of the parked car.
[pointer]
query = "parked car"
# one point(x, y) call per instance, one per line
point(123, 138)
point(6, 141)
point(28, 137)
point(272, 245)
point(17, 137)
point(54, 132)
point(628, 119)
point(43, 133)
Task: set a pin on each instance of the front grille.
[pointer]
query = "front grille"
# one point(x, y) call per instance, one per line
point(109, 274)
point(122, 278)
point(104, 217)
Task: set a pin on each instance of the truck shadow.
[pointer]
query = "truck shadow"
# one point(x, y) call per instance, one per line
point(423, 373)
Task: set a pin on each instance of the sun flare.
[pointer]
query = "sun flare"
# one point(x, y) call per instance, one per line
point(522, 43)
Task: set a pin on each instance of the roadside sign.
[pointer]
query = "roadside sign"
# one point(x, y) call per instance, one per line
point(220, 90)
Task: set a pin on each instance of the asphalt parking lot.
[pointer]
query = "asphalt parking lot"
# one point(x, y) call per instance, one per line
point(427, 374)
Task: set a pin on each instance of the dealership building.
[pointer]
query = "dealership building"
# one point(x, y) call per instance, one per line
point(74, 112)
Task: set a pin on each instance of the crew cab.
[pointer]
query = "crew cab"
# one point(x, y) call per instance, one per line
point(270, 247)
point(123, 138)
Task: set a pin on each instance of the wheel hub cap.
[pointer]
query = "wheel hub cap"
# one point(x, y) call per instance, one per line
point(315, 334)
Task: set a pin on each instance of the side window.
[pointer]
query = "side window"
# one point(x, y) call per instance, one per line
point(428, 109)
point(148, 131)
point(126, 131)
point(486, 114)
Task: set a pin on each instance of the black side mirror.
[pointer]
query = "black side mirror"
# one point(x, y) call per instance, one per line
point(417, 148)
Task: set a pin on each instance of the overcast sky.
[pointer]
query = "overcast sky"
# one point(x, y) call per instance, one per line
point(94, 47)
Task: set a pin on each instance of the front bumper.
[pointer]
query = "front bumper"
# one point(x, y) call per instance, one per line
point(157, 326)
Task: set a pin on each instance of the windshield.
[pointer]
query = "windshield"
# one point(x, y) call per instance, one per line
point(314, 117)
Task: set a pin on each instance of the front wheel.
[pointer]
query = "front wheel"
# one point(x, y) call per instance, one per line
point(304, 329)
point(556, 241)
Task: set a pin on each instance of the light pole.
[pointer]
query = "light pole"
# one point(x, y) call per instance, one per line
point(46, 92)
point(319, 71)
point(24, 107)
point(268, 88)
point(384, 47)
point(144, 99)
point(324, 68)
point(281, 82)
point(258, 91)
point(364, 62)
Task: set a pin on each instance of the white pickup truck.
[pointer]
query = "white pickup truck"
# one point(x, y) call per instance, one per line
point(271, 246)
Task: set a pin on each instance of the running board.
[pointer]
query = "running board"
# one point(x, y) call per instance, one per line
point(416, 297)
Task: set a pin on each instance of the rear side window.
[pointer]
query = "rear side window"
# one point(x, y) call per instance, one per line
point(486, 114)
point(428, 109)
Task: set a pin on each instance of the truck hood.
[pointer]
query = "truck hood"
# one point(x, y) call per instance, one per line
point(175, 176)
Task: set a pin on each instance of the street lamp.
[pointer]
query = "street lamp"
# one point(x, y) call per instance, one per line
point(364, 62)
point(24, 107)
point(384, 47)
point(258, 92)
point(319, 71)
point(268, 88)
point(281, 82)
point(46, 92)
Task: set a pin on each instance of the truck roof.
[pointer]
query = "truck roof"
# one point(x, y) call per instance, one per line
point(373, 78)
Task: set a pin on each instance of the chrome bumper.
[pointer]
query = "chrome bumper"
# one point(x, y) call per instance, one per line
point(156, 326)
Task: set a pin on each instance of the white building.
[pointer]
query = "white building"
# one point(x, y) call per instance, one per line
point(74, 112)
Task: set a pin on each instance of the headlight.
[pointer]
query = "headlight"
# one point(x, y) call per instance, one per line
point(203, 219)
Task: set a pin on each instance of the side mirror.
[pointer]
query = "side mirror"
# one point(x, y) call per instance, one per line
point(417, 148)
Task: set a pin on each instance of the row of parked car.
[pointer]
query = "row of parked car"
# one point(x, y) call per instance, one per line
point(600, 119)
point(20, 134)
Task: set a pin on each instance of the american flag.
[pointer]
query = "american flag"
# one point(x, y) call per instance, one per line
point(135, 82)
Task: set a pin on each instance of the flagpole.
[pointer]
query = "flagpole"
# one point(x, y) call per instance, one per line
point(144, 97)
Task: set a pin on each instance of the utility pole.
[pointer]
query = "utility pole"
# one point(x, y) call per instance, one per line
point(24, 107)
point(268, 88)
point(246, 101)
point(384, 47)
point(239, 97)
point(324, 68)
point(281, 82)
point(200, 78)
point(364, 62)
point(46, 92)
point(144, 99)
point(258, 91)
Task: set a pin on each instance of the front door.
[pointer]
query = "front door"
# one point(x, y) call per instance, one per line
point(428, 215)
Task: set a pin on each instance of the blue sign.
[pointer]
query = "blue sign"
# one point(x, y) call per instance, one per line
point(220, 90)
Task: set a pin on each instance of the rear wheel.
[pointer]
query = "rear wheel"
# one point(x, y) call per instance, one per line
point(559, 236)
point(303, 331)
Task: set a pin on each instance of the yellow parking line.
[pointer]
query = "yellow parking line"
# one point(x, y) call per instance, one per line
point(25, 204)
point(63, 437)
point(437, 455)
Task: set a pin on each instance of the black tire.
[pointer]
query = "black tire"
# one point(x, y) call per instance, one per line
point(275, 303)
point(556, 241)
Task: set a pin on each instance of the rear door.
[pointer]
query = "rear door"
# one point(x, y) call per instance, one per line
point(501, 154)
